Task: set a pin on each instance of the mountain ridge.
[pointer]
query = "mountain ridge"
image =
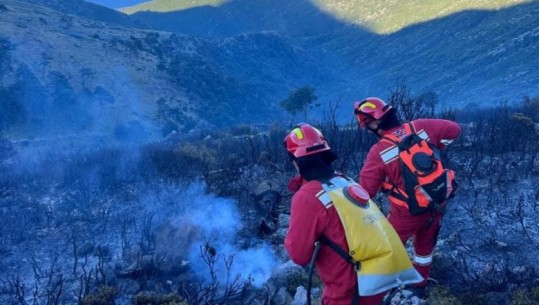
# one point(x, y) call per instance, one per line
point(376, 15)
point(119, 78)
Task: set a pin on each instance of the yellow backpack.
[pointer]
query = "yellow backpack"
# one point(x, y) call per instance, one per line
point(375, 250)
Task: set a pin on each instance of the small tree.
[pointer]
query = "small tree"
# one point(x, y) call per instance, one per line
point(299, 100)
point(411, 107)
point(427, 102)
point(401, 99)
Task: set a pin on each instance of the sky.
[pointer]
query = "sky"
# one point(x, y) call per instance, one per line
point(117, 3)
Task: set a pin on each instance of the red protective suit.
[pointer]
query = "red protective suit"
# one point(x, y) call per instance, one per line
point(309, 219)
point(424, 227)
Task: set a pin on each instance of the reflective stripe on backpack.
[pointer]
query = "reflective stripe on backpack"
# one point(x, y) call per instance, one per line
point(392, 152)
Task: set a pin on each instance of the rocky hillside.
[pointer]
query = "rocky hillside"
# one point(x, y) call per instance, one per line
point(64, 71)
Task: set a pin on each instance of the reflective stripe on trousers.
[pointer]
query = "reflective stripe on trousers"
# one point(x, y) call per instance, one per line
point(423, 260)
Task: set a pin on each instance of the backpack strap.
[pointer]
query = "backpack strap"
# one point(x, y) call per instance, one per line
point(395, 194)
point(391, 139)
point(338, 181)
point(420, 133)
point(343, 254)
point(410, 128)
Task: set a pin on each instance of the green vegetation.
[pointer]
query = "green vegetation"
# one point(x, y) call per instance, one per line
point(473, 298)
point(104, 296)
point(389, 16)
point(382, 17)
point(299, 100)
point(526, 297)
point(442, 296)
point(167, 5)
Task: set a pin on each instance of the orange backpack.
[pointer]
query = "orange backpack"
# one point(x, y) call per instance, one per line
point(427, 183)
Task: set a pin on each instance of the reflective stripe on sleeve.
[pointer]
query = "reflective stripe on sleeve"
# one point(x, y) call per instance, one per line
point(389, 154)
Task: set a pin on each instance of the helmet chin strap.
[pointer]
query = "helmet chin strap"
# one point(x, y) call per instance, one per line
point(374, 130)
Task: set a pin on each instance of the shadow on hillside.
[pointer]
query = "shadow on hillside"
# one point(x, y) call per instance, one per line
point(484, 56)
point(300, 19)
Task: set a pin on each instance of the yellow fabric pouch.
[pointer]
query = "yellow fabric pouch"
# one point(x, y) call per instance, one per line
point(372, 241)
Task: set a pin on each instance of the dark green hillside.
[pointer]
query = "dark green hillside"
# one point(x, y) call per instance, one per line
point(469, 56)
point(241, 79)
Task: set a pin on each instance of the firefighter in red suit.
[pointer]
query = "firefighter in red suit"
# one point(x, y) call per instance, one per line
point(309, 219)
point(382, 171)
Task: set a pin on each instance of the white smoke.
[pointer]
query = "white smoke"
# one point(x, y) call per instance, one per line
point(204, 220)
